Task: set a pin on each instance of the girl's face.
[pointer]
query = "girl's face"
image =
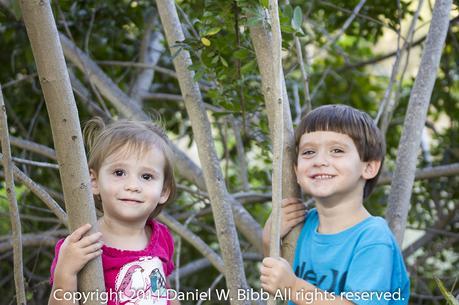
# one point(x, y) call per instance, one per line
point(130, 185)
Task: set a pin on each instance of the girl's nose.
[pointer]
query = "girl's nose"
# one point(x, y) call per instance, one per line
point(132, 185)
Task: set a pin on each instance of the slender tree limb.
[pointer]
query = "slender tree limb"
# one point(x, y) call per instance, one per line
point(426, 173)
point(388, 105)
point(34, 147)
point(202, 263)
point(35, 163)
point(431, 234)
point(345, 26)
point(63, 114)
point(242, 162)
point(138, 65)
point(262, 42)
point(194, 240)
point(85, 97)
point(162, 97)
point(399, 198)
point(220, 199)
point(150, 52)
point(42, 239)
point(277, 133)
point(13, 206)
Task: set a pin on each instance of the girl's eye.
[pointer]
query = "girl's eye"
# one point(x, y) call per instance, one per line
point(147, 177)
point(119, 172)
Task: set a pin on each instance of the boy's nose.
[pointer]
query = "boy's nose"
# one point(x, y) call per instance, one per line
point(321, 160)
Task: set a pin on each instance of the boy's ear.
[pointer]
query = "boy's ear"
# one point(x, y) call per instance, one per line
point(164, 195)
point(371, 169)
point(94, 182)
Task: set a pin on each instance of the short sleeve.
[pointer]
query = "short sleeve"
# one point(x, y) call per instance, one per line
point(170, 245)
point(57, 248)
point(167, 244)
point(369, 276)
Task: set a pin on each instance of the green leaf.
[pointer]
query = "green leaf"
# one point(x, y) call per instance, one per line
point(297, 20)
point(448, 295)
point(288, 11)
point(215, 60)
point(264, 3)
point(241, 54)
point(224, 62)
point(211, 31)
point(247, 68)
point(197, 77)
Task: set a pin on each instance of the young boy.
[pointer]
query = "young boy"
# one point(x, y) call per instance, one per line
point(343, 254)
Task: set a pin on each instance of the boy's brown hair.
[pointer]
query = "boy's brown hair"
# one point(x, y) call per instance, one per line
point(103, 140)
point(356, 124)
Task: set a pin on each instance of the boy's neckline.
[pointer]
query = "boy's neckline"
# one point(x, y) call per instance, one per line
point(335, 221)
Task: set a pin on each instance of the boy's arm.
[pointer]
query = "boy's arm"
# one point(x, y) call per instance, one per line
point(277, 275)
point(293, 212)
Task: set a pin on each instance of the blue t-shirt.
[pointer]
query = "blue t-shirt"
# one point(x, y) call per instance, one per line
point(363, 261)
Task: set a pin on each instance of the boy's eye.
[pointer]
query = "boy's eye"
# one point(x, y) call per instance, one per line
point(147, 177)
point(308, 152)
point(119, 172)
point(337, 150)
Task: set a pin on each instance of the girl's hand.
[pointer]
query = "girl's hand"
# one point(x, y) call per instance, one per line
point(77, 250)
point(276, 274)
point(293, 212)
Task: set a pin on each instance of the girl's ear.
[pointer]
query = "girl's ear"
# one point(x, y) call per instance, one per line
point(94, 182)
point(371, 169)
point(164, 195)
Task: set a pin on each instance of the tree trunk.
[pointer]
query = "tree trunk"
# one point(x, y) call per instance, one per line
point(220, 199)
point(63, 114)
point(399, 197)
point(262, 42)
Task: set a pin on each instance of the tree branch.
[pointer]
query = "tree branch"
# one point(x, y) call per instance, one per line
point(399, 198)
point(13, 206)
point(150, 52)
point(220, 199)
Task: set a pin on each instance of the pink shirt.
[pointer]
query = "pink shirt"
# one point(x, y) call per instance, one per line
point(136, 277)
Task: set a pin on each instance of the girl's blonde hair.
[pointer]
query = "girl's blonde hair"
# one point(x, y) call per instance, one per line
point(103, 140)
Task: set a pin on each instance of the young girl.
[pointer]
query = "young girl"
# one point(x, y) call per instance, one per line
point(132, 179)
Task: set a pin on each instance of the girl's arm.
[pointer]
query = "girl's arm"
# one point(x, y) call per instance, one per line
point(74, 253)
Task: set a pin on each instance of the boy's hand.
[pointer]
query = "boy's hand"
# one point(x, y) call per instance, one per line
point(276, 274)
point(293, 212)
point(77, 250)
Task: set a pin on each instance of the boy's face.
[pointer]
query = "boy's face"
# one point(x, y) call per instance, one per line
point(329, 166)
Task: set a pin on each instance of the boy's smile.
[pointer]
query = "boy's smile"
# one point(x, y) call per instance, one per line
point(329, 167)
